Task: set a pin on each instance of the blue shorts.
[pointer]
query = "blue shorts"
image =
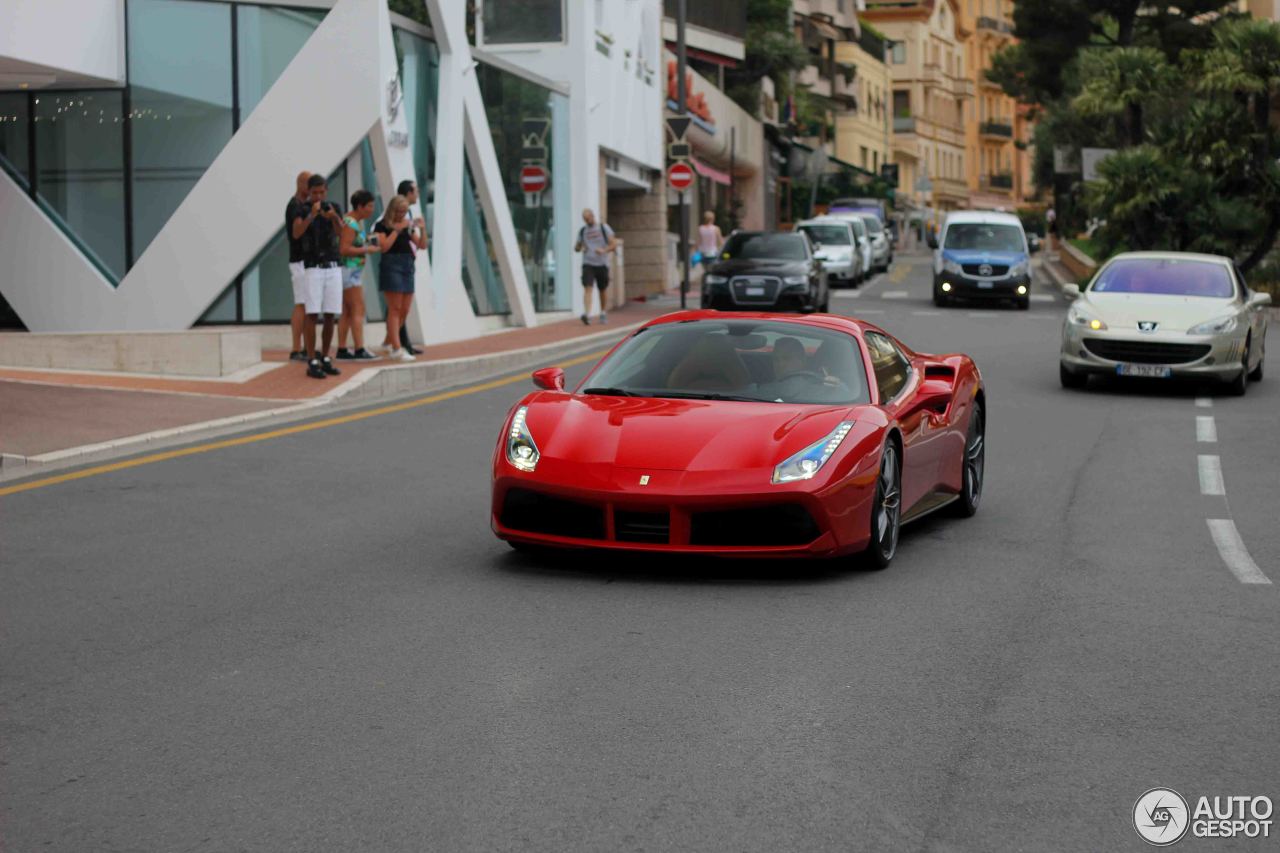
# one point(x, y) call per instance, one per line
point(351, 277)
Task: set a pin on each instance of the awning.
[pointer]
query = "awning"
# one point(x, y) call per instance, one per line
point(708, 172)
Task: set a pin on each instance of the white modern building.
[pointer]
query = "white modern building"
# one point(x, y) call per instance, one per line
point(148, 149)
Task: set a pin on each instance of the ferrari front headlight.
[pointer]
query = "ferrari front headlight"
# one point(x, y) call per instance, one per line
point(522, 452)
point(1220, 326)
point(952, 267)
point(806, 463)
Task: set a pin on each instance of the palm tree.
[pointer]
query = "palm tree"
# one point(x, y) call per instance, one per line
point(1119, 81)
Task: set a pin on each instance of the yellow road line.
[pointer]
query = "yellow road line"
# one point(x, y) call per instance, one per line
point(280, 433)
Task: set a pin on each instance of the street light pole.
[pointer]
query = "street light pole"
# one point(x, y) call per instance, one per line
point(682, 96)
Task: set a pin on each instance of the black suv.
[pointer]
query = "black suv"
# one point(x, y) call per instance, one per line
point(766, 271)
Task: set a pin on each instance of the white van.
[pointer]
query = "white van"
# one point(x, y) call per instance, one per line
point(981, 255)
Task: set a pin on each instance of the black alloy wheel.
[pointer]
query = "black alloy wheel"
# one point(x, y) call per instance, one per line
point(886, 511)
point(975, 464)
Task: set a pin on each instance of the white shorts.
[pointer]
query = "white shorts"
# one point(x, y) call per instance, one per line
point(298, 276)
point(324, 290)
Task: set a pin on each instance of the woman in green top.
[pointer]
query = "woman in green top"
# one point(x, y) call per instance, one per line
point(353, 247)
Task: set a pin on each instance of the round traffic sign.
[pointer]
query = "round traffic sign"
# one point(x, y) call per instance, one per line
point(680, 176)
point(533, 179)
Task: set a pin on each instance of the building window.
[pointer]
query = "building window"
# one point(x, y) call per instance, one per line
point(15, 153)
point(898, 52)
point(267, 40)
point(180, 104)
point(523, 21)
point(901, 103)
point(80, 171)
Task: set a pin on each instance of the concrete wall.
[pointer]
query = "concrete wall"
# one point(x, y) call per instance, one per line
point(198, 352)
point(78, 41)
point(640, 220)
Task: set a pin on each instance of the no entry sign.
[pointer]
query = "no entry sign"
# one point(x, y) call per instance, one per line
point(533, 179)
point(680, 176)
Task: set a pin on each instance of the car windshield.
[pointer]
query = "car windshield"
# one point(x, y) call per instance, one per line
point(829, 235)
point(872, 221)
point(782, 247)
point(749, 360)
point(1165, 277)
point(984, 237)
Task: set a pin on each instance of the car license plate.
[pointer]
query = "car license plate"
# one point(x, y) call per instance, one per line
point(1150, 371)
point(986, 285)
point(755, 291)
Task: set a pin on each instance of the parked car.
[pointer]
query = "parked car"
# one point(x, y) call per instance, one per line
point(981, 255)
point(1165, 315)
point(877, 232)
point(836, 245)
point(766, 271)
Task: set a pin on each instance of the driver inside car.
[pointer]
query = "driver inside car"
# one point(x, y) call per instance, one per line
point(792, 373)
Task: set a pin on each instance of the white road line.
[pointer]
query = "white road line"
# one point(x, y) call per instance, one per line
point(1234, 554)
point(926, 313)
point(1204, 402)
point(1206, 429)
point(1210, 475)
point(842, 294)
point(1042, 297)
point(894, 294)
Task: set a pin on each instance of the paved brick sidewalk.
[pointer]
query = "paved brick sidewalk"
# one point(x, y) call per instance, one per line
point(43, 411)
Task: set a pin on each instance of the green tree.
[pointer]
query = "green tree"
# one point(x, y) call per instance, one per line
point(1118, 82)
point(772, 51)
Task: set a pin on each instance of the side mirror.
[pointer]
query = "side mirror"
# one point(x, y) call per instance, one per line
point(932, 240)
point(1259, 300)
point(1071, 291)
point(549, 378)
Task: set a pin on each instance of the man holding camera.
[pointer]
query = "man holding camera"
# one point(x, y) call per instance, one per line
point(318, 228)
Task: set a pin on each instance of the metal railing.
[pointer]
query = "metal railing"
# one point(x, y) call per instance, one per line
point(723, 16)
point(904, 124)
point(996, 128)
point(1002, 181)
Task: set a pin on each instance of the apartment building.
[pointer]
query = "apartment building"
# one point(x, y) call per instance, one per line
point(864, 130)
point(932, 95)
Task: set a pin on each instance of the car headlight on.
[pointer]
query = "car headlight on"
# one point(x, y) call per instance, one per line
point(521, 450)
point(1220, 326)
point(806, 463)
point(1080, 317)
point(1018, 269)
point(793, 280)
point(952, 267)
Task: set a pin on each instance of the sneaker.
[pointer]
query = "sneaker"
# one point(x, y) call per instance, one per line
point(604, 318)
point(300, 355)
point(401, 355)
point(326, 364)
point(315, 370)
point(363, 354)
point(344, 354)
point(585, 320)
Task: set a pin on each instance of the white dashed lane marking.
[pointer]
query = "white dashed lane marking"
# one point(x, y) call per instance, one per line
point(1210, 475)
point(1042, 297)
point(1204, 403)
point(1234, 554)
point(894, 294)
point(1206, 429)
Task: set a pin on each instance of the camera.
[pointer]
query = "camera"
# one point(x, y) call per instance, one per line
point(325, 206)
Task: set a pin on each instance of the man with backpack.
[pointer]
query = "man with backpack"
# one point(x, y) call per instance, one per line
point(596, 241)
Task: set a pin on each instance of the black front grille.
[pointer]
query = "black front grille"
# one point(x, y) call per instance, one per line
point(631, 526)
point(538, 513)
point(738, 287)
point(976, 269)
point(779, 524)
point(1146, 352)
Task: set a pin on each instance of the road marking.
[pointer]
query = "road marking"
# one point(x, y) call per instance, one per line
point(1234, 554)
point(1206, 429)
point(841, 294)
point(284, 431)
point(894, 294)
point(926, 313)
point(1204, 402)
point(1210, 475)
point(1042, 297)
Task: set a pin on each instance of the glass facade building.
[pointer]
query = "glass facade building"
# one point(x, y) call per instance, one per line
point(110, 166)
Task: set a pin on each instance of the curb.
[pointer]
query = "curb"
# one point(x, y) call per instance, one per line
point(378, 383)
point(1050, 273)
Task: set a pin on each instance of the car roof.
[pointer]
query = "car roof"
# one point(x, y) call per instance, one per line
point(981, 217)
point(823, 220)
point(826, 321)
point(1172, 256)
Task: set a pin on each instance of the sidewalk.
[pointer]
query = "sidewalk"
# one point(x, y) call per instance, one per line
point(49, 416)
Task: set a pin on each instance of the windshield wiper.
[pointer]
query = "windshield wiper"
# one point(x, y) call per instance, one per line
point(709, 395)
point(610, 392)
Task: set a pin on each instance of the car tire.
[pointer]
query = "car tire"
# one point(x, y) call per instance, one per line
point(973, 464)
point(940, 299)
point(1070, 379)
point(886, 510)
point(1024, 303)
point(1255, 375)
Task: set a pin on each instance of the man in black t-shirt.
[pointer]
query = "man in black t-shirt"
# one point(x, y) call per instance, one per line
point(318, 230)
point(297, 206)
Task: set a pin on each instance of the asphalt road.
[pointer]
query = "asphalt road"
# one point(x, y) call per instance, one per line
point(315, 643)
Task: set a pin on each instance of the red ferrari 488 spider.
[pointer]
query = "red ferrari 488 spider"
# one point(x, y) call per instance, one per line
point(753, 435)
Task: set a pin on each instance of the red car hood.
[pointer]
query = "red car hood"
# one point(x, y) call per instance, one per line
point(674, 435)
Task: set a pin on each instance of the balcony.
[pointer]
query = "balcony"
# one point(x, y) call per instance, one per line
point(995, 26)
point(962, 87)
point(999, 130)
point(1002, 181)
point(932, 75)
point(904, 124)
point(872, 44)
